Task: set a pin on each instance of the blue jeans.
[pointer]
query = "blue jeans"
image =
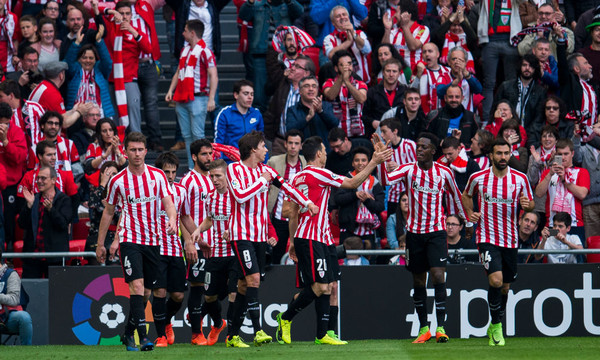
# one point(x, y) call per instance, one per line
point(260, 80)
point(20, 322)
point(192, 118)
point(148, 84)
point(490, 55)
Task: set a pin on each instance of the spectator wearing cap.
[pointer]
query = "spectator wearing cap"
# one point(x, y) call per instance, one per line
point(592, 52)
point(48, 95)
point(582, 36)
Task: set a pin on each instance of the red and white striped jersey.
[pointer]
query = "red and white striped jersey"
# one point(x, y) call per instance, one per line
point(198, 187)
point(426, 189)
point(249, 210)
point(206, 59)
point(66, 153)
point(420, 33)
point(315, 183)
point(466, 90)
point(48, 96)
point(404, 153)
point(557, 191)
point(64, 182)
point(482, 161)
point(139, 197)
point(498, 200)
point(290, 172)
point(28, 118)
point(41, 2)
point(9, 34)
point(361, 66)
point(350, 119)
point(94, 150)
point(218, 208)
point(589, 102)
point(170, 245)
point(138, 22)
point(428, 88)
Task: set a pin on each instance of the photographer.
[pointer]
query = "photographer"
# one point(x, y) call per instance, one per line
point(28, 75)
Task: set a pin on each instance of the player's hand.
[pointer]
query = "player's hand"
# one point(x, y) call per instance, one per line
point(292, 253)
point(101, 254)
point(226, 235)
point(404, 19)
point(391, 166)
point(113, 250)
point(272, 241)
point(267, 175)
point(382, 156)
point(525, 202)
point(474, 217)
point(205, 248)
point(378, 143)
point(172, 227)
point(197, 235)
point(191, 254)
point(314, 209)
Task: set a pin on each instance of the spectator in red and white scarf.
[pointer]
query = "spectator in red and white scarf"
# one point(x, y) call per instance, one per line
point(540, 160)
point(455, 157)
point(429, 73)
point(547, 14)
point(9, 35)
point(460, 76)
point(504, 111)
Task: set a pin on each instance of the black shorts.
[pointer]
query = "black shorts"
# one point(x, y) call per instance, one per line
point(196, 272)
point(251, 257)
point(495, 258)
point(221, 276)
point(336, 273)
point(172, 274)
point(140, 262)
point(424, 251)
point(313, 263)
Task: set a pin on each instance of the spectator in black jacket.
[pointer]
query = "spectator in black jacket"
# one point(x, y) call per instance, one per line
point(453, 118)
point(410, 114)
point(46, 220)
point(360, 207)
point(526, 94)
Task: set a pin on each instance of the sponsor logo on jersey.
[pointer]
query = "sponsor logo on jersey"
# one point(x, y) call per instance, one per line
point(415, 186)
point(140, 200)
point(489, 199)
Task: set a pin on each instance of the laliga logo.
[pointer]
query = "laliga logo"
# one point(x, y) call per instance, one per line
point(98, 311)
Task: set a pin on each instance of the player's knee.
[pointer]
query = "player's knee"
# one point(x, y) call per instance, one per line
point(232, 297)
point(253, 280)
point(177, 296)
point(495, 282)
point(160, 293)
point(136, 287)
point(210, 299)
point(321, 289)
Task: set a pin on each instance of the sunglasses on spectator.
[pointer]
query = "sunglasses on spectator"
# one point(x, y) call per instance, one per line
point(555, 108)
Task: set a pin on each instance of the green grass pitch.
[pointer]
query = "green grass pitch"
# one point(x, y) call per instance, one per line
point(476, 348)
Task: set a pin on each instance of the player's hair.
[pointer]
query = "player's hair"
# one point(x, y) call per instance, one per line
point(122, 4)
point(29, 18)
point(461, 221)
point(336, 134)
point(361, 150)
point(196, 26)
point(552, 130)
point(197, 146)
point(98, 130)
point(166, 158)
point(218, 164)
point(392, 124)
point(5, 111)
point(499, 141)
point(293, 132)
point(336, 8)
point(51, 114)
point(237, 86)
point(450, 142)
point(52, 171)
point(412, 90)
point(537, 216)
point(565, 143)
point(409, 6)
point(41, 147)
point(311, 146)
point(435, 141)
point(310, 65)
point(486, 139)
point(391, 61)
point(510, 124)
point(563, 217)
point(134, 137)
point(335, 59)
point(250, 142)
point(10, 87)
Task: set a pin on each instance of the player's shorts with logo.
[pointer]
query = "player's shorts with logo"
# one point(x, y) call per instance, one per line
point(221, 276)
point(424, 251)
point(172, 274)
point(495, 258)
point(140, 262)
point(336, 273)
point(251, 257)
point(196, 272)
point(313, 263)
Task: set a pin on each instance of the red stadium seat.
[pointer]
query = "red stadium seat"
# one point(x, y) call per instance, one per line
point(593, 242)
point(77, 245)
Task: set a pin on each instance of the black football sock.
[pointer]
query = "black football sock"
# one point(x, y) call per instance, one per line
point(195, 308)
point(333, 318)
point(495, 303)
point(253, 307)
point(136, 302)
point(322, 310)
point(215, 314)
point(304, 299)
point(420, 300)
point(230, 308)
point(130, 326)
point(440, 303)
point(503, 306)
point(159, 311)
point(172, 309)
point(239, 308)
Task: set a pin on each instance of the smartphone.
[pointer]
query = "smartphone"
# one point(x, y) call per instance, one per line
point(553, 232)
point(461, 2)
point(558, 160)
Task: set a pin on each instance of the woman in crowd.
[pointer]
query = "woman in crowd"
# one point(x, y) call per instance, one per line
point(396, 223)
point(481, 145)
point(107, 147)
point(49, 45)
point(52, 10)
point(385, 52)
point(89, 69)
point(539, 161)
point(510, 132)
point(555, 111)
point(503, 111)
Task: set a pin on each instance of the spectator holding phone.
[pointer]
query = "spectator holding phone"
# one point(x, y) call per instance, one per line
point(558, 238)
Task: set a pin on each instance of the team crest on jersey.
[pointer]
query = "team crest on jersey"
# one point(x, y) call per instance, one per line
point(249, 264)
point(235, 184)
point(322, 274)
point(196, 272)
point(206, 286)
point(151, 183)
point(437, 178)
point(128, 271)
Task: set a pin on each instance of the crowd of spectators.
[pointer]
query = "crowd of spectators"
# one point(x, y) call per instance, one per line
point(77, 75)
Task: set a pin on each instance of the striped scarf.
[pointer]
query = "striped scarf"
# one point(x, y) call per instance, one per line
point(546, 26)
point(302, 39)
point(184, 92)
point(118, 77)
point(7, 31)
point(88, 89)
point(459, 164)
point(230, 151)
